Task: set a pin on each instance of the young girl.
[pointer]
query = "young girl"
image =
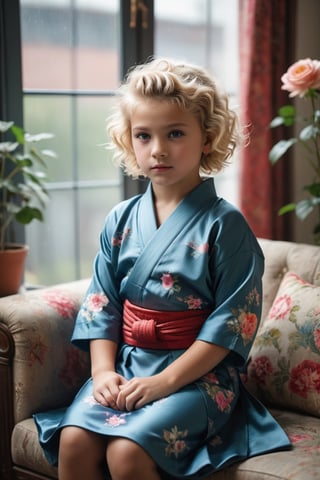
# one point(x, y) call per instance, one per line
point(174, 303)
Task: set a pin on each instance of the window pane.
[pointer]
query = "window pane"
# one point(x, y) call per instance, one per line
point(52, 255)
point(95, 160)
point(204, 33)
point(63, 247)
point(94, 204)
point(53, 114)
point(70, 45)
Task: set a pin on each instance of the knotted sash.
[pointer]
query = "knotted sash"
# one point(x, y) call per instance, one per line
point(159, 329)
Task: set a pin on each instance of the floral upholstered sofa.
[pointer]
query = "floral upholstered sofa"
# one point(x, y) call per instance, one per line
point(40, 370)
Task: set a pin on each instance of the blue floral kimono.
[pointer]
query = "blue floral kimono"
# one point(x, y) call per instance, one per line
point(204, 256)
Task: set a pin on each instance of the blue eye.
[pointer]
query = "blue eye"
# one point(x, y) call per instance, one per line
point(176, 134)
point(142, 136)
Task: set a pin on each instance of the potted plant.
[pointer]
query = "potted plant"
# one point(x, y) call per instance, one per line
point(302, 79)
point(23, 196)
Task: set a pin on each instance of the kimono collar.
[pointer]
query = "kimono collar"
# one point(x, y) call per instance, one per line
point(203, 193)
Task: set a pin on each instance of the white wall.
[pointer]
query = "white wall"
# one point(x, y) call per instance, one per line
point(308, 45)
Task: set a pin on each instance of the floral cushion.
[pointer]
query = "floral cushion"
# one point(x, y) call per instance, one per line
point(284, 368)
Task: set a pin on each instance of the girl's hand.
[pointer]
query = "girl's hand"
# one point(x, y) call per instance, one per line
point(106, 388)
point(138, 391)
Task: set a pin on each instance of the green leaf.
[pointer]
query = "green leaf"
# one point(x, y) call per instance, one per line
point(287, 208)
point(288, 113)
point(313, 189)
point(280, 148)
point(27, 214)
point(18, 133)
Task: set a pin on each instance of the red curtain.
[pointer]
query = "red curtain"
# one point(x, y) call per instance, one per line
point(266, 46)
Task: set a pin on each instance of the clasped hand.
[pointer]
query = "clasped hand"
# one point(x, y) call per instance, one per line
point(113, 390)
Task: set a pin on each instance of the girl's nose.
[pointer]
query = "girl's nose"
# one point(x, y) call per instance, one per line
point(159, 150)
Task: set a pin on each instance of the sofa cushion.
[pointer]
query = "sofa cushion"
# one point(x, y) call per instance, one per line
point(300, 462)
point(284, 368)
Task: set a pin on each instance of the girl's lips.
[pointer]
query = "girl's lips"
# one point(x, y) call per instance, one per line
point(161, 167)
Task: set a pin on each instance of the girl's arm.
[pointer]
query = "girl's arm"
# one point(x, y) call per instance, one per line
point(199, 359)
point(106, 381)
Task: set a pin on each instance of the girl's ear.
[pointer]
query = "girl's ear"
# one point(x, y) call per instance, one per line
point(206, 149)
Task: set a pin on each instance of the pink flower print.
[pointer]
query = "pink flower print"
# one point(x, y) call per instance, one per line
point(96, 301)
point(305, 378)
point(316, 336)
point(174, 438)
point(281, 307)
point(224, 399)
point(193, 302)
point(299, 437)
point(92, 305)
point(249, 323)
point(198, 249)
point(179, 446)
point(167, 281)
point(91, 401)
point(210, 378)
point(60, 302)
point(115, 420)
point(170, 283)
point(261, 367)
point(120, 237)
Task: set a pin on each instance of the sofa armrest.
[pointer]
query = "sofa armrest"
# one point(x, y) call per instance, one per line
point(40, 369)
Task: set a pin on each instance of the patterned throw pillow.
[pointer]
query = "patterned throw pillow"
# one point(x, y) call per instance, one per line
point(284, 368)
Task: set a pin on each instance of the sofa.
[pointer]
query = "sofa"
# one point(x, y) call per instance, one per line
point(40, 369)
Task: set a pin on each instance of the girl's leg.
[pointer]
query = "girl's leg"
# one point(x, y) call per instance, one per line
point(81, 455)
point(128, 461)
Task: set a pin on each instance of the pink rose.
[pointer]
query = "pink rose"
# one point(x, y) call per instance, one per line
point(249, 324)
point(167, 281)
point(305, 378)
point(281, 307)
point(261, 368)
point(301, 76)
point(223, 401)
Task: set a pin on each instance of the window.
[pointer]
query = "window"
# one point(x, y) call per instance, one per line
point(73, 55)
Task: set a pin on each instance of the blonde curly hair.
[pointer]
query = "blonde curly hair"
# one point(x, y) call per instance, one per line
point(191, 88)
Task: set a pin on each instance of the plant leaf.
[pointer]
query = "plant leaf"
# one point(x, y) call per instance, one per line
point(276, 122)
point(8, 146)
point(313, 189)
point(305, 207)
point(280, 148)
point(18, 133)
point(287, 208)
point(288, 113)
point(27, 214)
point(307, 132)
point(37, 137)
point(49, 153)
point(5, 126)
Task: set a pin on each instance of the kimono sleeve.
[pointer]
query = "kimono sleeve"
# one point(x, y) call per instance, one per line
point(237, 274)
point(100, 315)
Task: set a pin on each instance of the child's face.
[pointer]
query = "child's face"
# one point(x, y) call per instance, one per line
point(168, 143)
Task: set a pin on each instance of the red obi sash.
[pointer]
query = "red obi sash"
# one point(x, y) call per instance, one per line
point(160, 329)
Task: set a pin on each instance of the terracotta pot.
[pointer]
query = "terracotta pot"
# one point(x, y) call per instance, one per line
point(12, 261)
